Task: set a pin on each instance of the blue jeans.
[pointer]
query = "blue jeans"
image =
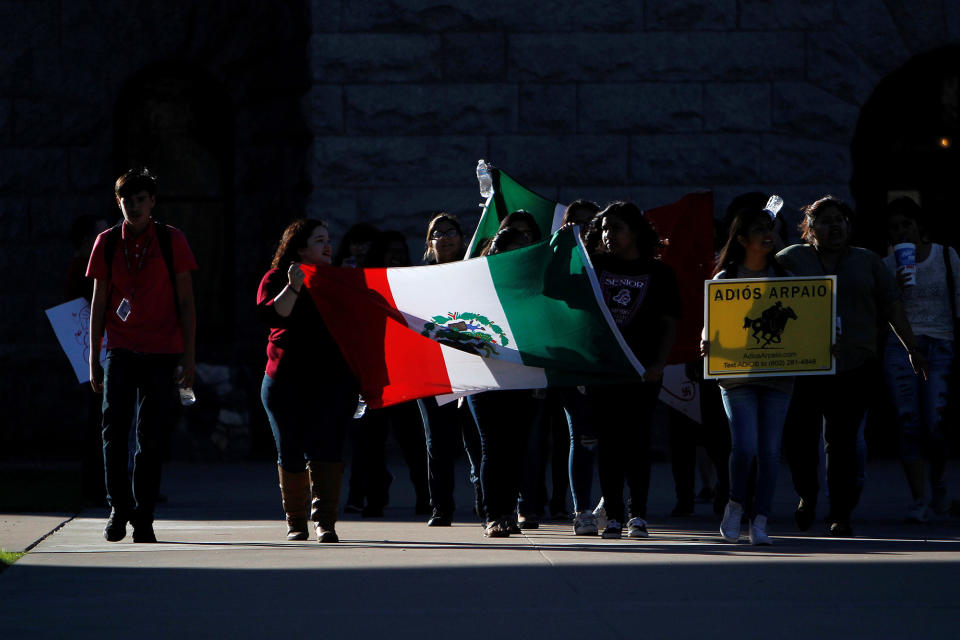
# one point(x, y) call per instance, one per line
point(920, 403)
point(141, 385)
point(309, 419)
point(756, 415)
point(576, 406)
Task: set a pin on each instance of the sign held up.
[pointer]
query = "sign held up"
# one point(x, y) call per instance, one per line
point(764, 327)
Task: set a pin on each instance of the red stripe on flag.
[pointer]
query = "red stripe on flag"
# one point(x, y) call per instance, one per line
point(688, 226)
point(392, 362)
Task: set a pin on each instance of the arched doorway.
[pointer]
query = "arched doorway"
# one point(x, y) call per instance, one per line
point(179, 121)
point(907, 141)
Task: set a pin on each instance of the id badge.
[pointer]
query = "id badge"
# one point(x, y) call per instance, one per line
point(124, 310)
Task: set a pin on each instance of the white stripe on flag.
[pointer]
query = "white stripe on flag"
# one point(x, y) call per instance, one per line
point(471, 373)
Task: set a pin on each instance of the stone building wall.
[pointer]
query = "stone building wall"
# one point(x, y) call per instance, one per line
point(378, 111)
point(645, 100)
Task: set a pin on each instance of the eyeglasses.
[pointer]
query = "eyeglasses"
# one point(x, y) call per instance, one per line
point(436, 234)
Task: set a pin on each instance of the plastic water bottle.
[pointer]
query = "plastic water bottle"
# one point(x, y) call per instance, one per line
point(774, 204)
point(361, 408)
point(484, 178)
point(187, 397)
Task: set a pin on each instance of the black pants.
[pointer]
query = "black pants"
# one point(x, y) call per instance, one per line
point(504, 420)
point(713, 433)
point(405, 422)
point(836, 404)
point(622, 415)
point(447, 433)
point(141, 385)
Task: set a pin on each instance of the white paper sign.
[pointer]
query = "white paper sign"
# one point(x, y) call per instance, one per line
point(71, 324)
point(680, 393)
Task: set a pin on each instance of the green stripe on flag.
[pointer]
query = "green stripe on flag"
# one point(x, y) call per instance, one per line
point(514, 196)
point(556, 315)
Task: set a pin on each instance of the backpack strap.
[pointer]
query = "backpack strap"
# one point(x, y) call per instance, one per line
point(164, 241)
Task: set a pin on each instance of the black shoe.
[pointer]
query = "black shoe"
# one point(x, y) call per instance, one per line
point(841, 529)
point(528, 522)
point(439, 519)
point(682, 510)
point(512, 526)
point(805, 514)
point(496, 529)
point(143, 532)
point(116, 529)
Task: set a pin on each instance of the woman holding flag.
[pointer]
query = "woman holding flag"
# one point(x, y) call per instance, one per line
point(642, 295)
point(308, 391)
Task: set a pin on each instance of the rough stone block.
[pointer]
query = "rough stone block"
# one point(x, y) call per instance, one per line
point(546, 16)
point(6, 109)
point(806, 110)
point(36, 123)
point(922, 23)
point(325, 15)
point(870, 31)
point(395, 161)
point(14, 221)
point(548, 108)
point(691, 14)
point(656, 56)
point(475, 57)
point(33, 170)
point(29, 23)
point(339, 207)
point(91, 169)
point(698, 160)
point(86, 123)
point(786, 14)
point(408, 210)
point(834, 66)
point(356, 58)
point(432, 108)
point(736, 106)
point(952, 19)
point(323, 109)
point(793, 160)
point(562, 159)
point(68, 75)
point(640, 108)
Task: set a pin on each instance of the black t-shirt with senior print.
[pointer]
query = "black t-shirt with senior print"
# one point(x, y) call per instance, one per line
point(638, 293)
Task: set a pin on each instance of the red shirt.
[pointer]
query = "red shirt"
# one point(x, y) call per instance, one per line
point(140, 275)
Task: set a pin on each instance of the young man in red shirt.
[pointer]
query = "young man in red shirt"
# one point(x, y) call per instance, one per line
point(143, 297)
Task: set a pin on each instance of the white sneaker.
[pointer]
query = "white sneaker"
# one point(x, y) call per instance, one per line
point(917, 512)
point(585, 524)
point(600, 513)
point(637, 528)
point(758, 531)
point(612, 530)
point(730, 525)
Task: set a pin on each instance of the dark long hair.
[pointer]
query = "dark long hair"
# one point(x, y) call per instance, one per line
point(294, 238)
point(733, 254)
point(813, 210)
point(360, 232)
point(428, 255)
point(648, 240)
point(377, 254)
point(525, 216)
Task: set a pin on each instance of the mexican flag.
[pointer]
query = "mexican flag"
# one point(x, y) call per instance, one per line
point(523, 319)
point(508, 196)
point(686, 225)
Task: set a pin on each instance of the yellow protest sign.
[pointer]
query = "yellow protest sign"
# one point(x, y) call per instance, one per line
point(770, 327)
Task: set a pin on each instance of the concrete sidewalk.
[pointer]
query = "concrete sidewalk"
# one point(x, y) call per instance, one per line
point(223, 568)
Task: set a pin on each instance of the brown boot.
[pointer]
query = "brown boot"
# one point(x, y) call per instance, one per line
point(295, 493)
point(325, 480)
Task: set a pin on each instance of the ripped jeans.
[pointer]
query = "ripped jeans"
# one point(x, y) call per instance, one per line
point(920, 403)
